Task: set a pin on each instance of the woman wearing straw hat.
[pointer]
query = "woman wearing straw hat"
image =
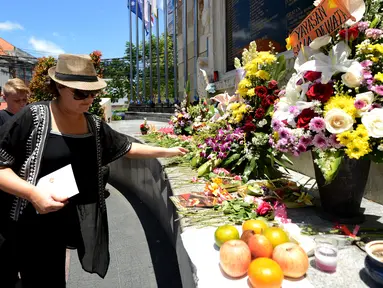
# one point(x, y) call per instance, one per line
point(37, 225)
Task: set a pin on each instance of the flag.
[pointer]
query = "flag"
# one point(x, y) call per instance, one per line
point(154, 7)
point(145, 16)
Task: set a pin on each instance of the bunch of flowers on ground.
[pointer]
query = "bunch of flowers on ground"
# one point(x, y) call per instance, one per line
point(333, 103)
point(144, 127)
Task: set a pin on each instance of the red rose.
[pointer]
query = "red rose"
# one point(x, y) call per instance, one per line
point(259, 113)
point(312, 75)
point(249, 126)
point(320, 92)
point(276, 92)
point(272, 84)
point(264, 208)
point(271, 100)
point(305, 117)
point(264, 103)
point(349, 34)
point(261, 91)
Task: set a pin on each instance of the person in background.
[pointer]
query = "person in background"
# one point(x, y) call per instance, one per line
point(37, 225)
point(15, 93)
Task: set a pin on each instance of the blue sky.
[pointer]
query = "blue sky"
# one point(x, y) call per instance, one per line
point(44, 27)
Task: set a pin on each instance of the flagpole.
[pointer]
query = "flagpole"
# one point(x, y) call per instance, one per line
point(143, 52)
point(130, 51)
point(195, 48)
point(185, 34)
point(150, 54)
point(137, 57)
point(166, 50)
point(175, 5)
point(158, 58)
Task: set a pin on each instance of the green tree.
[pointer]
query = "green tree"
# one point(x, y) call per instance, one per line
point(118, 71)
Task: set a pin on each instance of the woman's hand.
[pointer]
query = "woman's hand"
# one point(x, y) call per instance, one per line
point(176, 151)
point(45, 201)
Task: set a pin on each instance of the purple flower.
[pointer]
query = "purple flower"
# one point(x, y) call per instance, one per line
point(221, 155)
point(216, 147)
point(374, 33)
point(333, 141)
point(378, 89)
point(294, 110)
point(284, 133)
point(306, 140)
point(363, 26)
point(317, 124)
point(202, 154)
point(209, 142)
point(359, 104)
point(320, 141)
point(276, 124)
point(283, 141)
point(302, 148)
point(375, 105)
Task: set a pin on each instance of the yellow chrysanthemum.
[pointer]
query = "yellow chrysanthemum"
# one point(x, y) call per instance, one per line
point(218, 181)
point(266, 57)
point(374, 59)
point(361, 133)
point(252, 67)
point(357, 148)
point(250, 93)
point(345, 138)
point(344, 102)
point(379, 76)
point(262, 74)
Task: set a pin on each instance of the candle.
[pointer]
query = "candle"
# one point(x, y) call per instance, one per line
point(326, 257)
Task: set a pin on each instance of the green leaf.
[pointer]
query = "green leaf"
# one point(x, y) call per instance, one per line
point(231, 159)
point(280, 68)
point(205, 169)
point(250, 167)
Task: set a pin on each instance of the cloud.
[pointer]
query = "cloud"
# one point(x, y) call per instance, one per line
point(45, 47)
point(9, 26)
point(241, 35)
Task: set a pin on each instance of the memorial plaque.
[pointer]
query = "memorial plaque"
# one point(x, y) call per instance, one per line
point(263, 21)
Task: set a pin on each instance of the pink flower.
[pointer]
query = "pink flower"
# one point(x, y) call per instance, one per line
point(363, 26)
point(280, 209)
point(317, 124)
point(366, 63)
point(374, 33)
point(378, 89)
point(359, 104)
point(306, 140)
point(237, 178)
point(320, 141)
point(264, 208)
point(194, 179)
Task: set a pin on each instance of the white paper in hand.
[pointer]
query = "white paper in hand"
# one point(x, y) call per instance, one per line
point(61, 181)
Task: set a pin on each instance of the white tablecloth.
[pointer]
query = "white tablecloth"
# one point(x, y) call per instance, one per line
point(199, 244)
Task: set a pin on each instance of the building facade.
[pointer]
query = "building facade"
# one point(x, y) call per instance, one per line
point(15, 63)
point(223, 29)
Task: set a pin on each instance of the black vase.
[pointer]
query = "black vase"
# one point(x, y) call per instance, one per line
point(341, 199)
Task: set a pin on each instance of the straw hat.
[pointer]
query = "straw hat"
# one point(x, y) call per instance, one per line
point(76, 71)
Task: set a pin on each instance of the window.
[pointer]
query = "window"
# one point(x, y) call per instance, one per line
point(263, 21)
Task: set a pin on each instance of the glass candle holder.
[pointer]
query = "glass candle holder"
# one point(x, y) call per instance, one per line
point(326, 254)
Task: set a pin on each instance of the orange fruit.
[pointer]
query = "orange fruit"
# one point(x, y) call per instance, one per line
point(265, 273)
point(276, 236)
point(225, 233)
point(260, 246)
point(258, 226)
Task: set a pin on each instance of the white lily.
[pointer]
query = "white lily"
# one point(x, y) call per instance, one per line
point(304, 55)
point(224, 100)
point(319, 42)
point(336, 61)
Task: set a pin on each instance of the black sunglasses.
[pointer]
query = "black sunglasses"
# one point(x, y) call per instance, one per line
point(84, 94)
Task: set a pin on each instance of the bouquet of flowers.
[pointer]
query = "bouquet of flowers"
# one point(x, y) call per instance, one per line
point(144, 127)
point(333, 103)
